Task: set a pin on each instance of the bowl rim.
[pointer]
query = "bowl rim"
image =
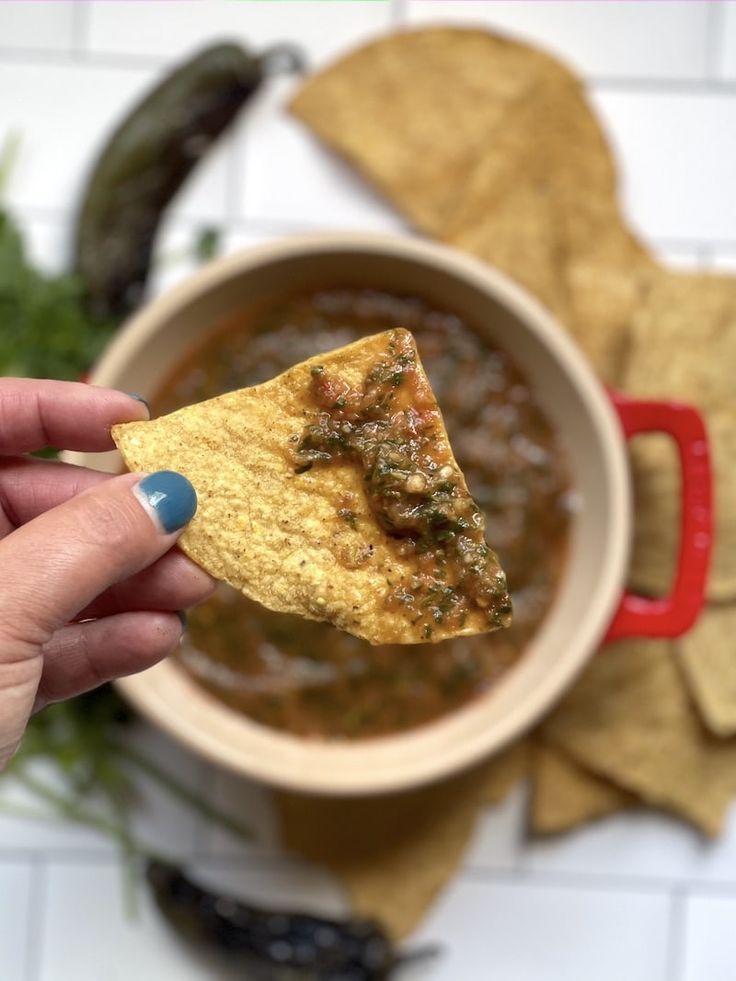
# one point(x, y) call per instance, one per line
point(541, 322)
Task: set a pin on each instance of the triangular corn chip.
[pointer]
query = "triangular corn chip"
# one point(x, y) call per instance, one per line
point(708, 662)
point(629, 719)
point(566, 795)
point(394, 853)
point(331, 492)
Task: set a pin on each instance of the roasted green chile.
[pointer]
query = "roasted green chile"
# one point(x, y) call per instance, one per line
point(275, 946)
point(148, 158)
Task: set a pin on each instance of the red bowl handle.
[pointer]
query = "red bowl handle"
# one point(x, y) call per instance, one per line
point(670, 616)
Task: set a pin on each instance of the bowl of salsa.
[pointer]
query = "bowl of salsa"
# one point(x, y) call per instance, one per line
point(300, 704)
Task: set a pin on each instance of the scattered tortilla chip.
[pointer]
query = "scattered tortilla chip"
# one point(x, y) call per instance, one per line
point(307, 539)
point(629, 719)
point(395, 853)
point(708, 660)
point(657, 509)
point(414, 110)
point(605, 287)
point(684, 340)
point(550, 136)
point(551, 142)
point(542, 205)
point(565, 795)
point(682, 346)
point(656, 481)
point(527, 182)
point(500, 774)
point(517, 235)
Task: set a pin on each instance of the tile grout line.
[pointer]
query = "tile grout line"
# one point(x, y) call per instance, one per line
point(676, 938)
point(599, 880)
point(715, 26)
point(56, 853)
point(521, 829)
point(80, 28)
point(705, 254)
point(36, 915)
point(256, 224)
point(235, 176)
point(574, 881)
point(399, 14)
point(508, 876)
point(279, 226)
point(205, 786)
point(80, 54)
point(638, 85)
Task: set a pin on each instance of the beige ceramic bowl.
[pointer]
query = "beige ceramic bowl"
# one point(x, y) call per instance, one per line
point(151, 345)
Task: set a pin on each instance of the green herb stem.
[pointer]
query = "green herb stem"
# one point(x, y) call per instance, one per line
point(71, 810)
point(183, 793)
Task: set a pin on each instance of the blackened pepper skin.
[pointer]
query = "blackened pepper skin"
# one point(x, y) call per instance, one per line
point(146, 161)
point(270, 945)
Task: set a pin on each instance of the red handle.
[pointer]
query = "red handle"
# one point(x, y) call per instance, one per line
point(638, 616)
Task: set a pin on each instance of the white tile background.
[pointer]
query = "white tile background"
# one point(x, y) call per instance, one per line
point(634, 898)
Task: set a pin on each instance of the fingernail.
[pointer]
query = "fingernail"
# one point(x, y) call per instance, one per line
point(183, 617)
point(139, 398)
point(169, 499)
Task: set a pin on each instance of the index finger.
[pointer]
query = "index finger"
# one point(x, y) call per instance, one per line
point(66, 415)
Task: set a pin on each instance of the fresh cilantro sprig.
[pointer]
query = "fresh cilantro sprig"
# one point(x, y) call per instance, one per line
point(44, 332)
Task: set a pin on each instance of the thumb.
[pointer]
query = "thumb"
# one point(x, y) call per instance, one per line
point(55, 565)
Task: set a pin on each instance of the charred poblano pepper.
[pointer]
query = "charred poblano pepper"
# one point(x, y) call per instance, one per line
point(148, 158)
point(275, 946)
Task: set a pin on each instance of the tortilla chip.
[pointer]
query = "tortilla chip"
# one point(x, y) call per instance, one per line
point(656, 480)
point(395, 853)
point(605, 288)
point(279, 532)
point(629, 719)
point(527, 182)
point(682, 346)
point(542, 205)
point(657, 509)
point(708, 659)
point(517, 235)
point(500, 774)
point(414, 110)
point(551, 141)
point(565, 795)
point(684, 340)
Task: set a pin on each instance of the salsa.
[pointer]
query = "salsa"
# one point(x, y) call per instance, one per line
point(306, 677)
point(392, 427)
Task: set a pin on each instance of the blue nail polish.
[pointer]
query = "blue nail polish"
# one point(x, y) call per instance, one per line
point(139, 398)
point(171, 497)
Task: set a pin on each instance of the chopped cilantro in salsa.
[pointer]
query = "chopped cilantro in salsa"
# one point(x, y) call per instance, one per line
point(392, 427)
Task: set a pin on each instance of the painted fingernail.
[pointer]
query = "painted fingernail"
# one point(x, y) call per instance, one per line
point(169, 499)
point(139, 398)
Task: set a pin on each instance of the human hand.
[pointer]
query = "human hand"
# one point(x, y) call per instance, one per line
point(90, 584)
